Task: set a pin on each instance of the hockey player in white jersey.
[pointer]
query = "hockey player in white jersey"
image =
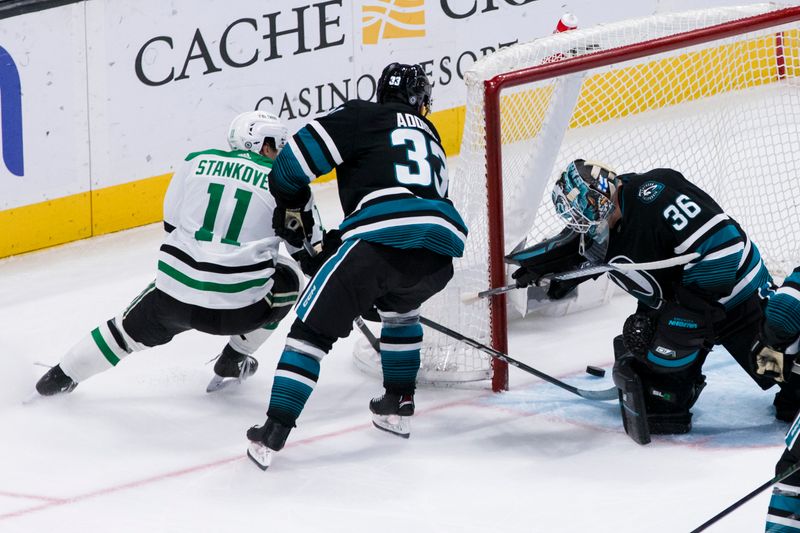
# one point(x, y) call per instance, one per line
point(219, 269)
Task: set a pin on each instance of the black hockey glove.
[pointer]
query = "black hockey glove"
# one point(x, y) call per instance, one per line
point(310, 264)
point(293, 225)
point(551, 256)
point(559, 289)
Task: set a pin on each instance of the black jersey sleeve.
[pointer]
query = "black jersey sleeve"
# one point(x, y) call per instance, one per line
point(316, 149)
point(691, 222)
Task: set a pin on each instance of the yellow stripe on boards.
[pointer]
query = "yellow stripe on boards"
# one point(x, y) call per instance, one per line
point(129, 205)
point(78, 216)
point(36, 226)
point(450, 125)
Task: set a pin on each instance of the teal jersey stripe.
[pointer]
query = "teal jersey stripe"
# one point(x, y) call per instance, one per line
point(199, 285)
point(314, 151)
point(287, 175)
point(783, 312)
point(104, 348)
point(793, 277)
point(430, 236)
point(405, 207)
point(754, 258)
point(320, 277)
point(761, 279)
point(725, 234)
point(714, 273)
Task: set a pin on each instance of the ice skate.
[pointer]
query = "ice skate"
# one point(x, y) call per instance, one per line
point(392, 413)
point(54, 382)
point(231, 367)
point(265, 441)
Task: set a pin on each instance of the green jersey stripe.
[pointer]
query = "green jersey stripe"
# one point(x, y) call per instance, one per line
point(209, 285)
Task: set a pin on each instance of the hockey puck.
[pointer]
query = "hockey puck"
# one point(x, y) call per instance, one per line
point(595, 371)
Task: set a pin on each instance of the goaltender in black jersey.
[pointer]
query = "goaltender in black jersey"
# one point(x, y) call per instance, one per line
point(708, 288)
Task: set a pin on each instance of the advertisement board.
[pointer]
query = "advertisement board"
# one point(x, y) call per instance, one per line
point(101, 100)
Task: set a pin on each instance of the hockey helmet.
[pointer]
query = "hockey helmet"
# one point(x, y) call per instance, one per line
point(405, 83)
point(582, 196)
point(249, 130)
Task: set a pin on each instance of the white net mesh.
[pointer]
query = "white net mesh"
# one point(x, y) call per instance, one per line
point(725, 113)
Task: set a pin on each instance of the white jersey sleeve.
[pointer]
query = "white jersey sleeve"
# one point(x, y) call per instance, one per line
point(221, 254)
point(174, 196)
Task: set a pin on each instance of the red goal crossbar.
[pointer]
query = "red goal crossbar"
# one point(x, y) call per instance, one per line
point(602, 58)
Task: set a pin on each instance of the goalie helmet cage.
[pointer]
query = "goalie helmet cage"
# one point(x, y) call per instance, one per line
point(712, 93)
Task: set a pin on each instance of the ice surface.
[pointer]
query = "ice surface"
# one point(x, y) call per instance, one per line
point(142, 447)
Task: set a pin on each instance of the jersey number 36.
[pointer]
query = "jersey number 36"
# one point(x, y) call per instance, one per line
point(681, 211)
point(418, 150)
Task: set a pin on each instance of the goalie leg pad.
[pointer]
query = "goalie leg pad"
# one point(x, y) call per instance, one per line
point(631, 399)
point(669, 398)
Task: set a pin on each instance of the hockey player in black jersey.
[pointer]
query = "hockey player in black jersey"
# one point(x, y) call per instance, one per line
point(775, 356)
point(711, 295)
point(394, 250)
point(219, 270)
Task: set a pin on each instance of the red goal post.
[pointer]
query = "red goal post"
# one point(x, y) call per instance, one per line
point(601, 58)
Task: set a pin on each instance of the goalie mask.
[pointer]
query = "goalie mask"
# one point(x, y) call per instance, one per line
point(407, 84)
point(249, 130)
point(582, 196)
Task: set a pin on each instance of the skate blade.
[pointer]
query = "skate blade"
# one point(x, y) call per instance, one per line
point(260, 455)
point(218, 383)
point(34, 397)
point(394, 424)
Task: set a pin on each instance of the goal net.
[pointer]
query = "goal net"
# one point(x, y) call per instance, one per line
point(711, 93)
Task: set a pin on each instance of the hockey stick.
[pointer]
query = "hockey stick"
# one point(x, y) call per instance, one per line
point(777, 479)
point(602, 395)
point(359, 322)
point(590, 270)
point(373, 341)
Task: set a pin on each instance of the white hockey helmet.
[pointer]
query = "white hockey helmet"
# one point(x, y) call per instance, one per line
point(248, 131)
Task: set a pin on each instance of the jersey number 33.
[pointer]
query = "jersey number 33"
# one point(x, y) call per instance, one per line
point(420, 149)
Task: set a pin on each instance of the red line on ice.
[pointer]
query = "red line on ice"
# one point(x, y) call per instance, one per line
point(56, 502)
point(28, 496)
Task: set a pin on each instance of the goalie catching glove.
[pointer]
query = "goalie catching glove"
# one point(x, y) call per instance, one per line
point(550, 256)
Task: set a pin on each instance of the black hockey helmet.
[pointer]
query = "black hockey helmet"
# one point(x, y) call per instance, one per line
point(405, 83)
